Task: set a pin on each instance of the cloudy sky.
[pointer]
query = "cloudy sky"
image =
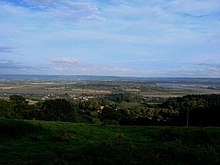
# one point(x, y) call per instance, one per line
point(148, 38)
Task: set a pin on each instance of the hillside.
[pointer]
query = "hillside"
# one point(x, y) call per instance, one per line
point(38, 142)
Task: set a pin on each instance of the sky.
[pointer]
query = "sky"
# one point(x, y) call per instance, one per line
point(141, 38)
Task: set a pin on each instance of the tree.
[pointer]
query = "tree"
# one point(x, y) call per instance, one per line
point(58, 109)
point(4, 107)
point(19, 106)
point(17, 99)
point(108, 113)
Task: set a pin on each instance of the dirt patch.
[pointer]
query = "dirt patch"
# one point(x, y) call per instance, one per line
point(7, 87)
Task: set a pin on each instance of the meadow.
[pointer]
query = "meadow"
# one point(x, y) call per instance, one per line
point(40, 142)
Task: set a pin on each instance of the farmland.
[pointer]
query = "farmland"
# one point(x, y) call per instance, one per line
point(73, 86)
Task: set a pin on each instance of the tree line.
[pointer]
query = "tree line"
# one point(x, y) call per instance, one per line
point(120, 108)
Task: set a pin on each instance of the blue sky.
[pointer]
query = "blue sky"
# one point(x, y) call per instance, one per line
point(143, 38)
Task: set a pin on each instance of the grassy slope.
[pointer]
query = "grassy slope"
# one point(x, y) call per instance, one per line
point(35, 142)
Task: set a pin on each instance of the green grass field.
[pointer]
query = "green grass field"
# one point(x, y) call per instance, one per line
point(37, 142)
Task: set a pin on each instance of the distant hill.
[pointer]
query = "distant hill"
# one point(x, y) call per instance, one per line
point(111, 78)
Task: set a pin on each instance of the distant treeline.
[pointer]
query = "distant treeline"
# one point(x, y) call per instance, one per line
point(121, 108)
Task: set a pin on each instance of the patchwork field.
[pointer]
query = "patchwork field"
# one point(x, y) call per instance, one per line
point(85, 85)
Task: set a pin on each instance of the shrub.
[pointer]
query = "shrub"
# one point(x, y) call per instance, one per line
point(110, 122)
point(16, 128)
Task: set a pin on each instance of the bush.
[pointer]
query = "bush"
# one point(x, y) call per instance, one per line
point(16, 128)
point(110, 122)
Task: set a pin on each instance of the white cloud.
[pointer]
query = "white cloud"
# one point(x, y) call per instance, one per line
point(205, 64)
point(196, 7)
point(67, 9)
point(190, 71)
point(65, 60)
point(160, 33)
point(6, 49)
point(6, 65)
point(93, 69)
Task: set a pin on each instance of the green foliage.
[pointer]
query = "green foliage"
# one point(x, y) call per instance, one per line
point(109, 113)
point(4, 107)
point(17, 128)
point(19, 107)
point(125, 96)
point(17, 99)
point(204, 110)
point(58, 109)
point(110, 122)
point(125, 108)
point(35, 142)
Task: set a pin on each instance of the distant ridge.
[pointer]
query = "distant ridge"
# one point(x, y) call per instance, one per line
point(110, 78)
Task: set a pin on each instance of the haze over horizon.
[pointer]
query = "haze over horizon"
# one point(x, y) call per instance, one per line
point(153, 38)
